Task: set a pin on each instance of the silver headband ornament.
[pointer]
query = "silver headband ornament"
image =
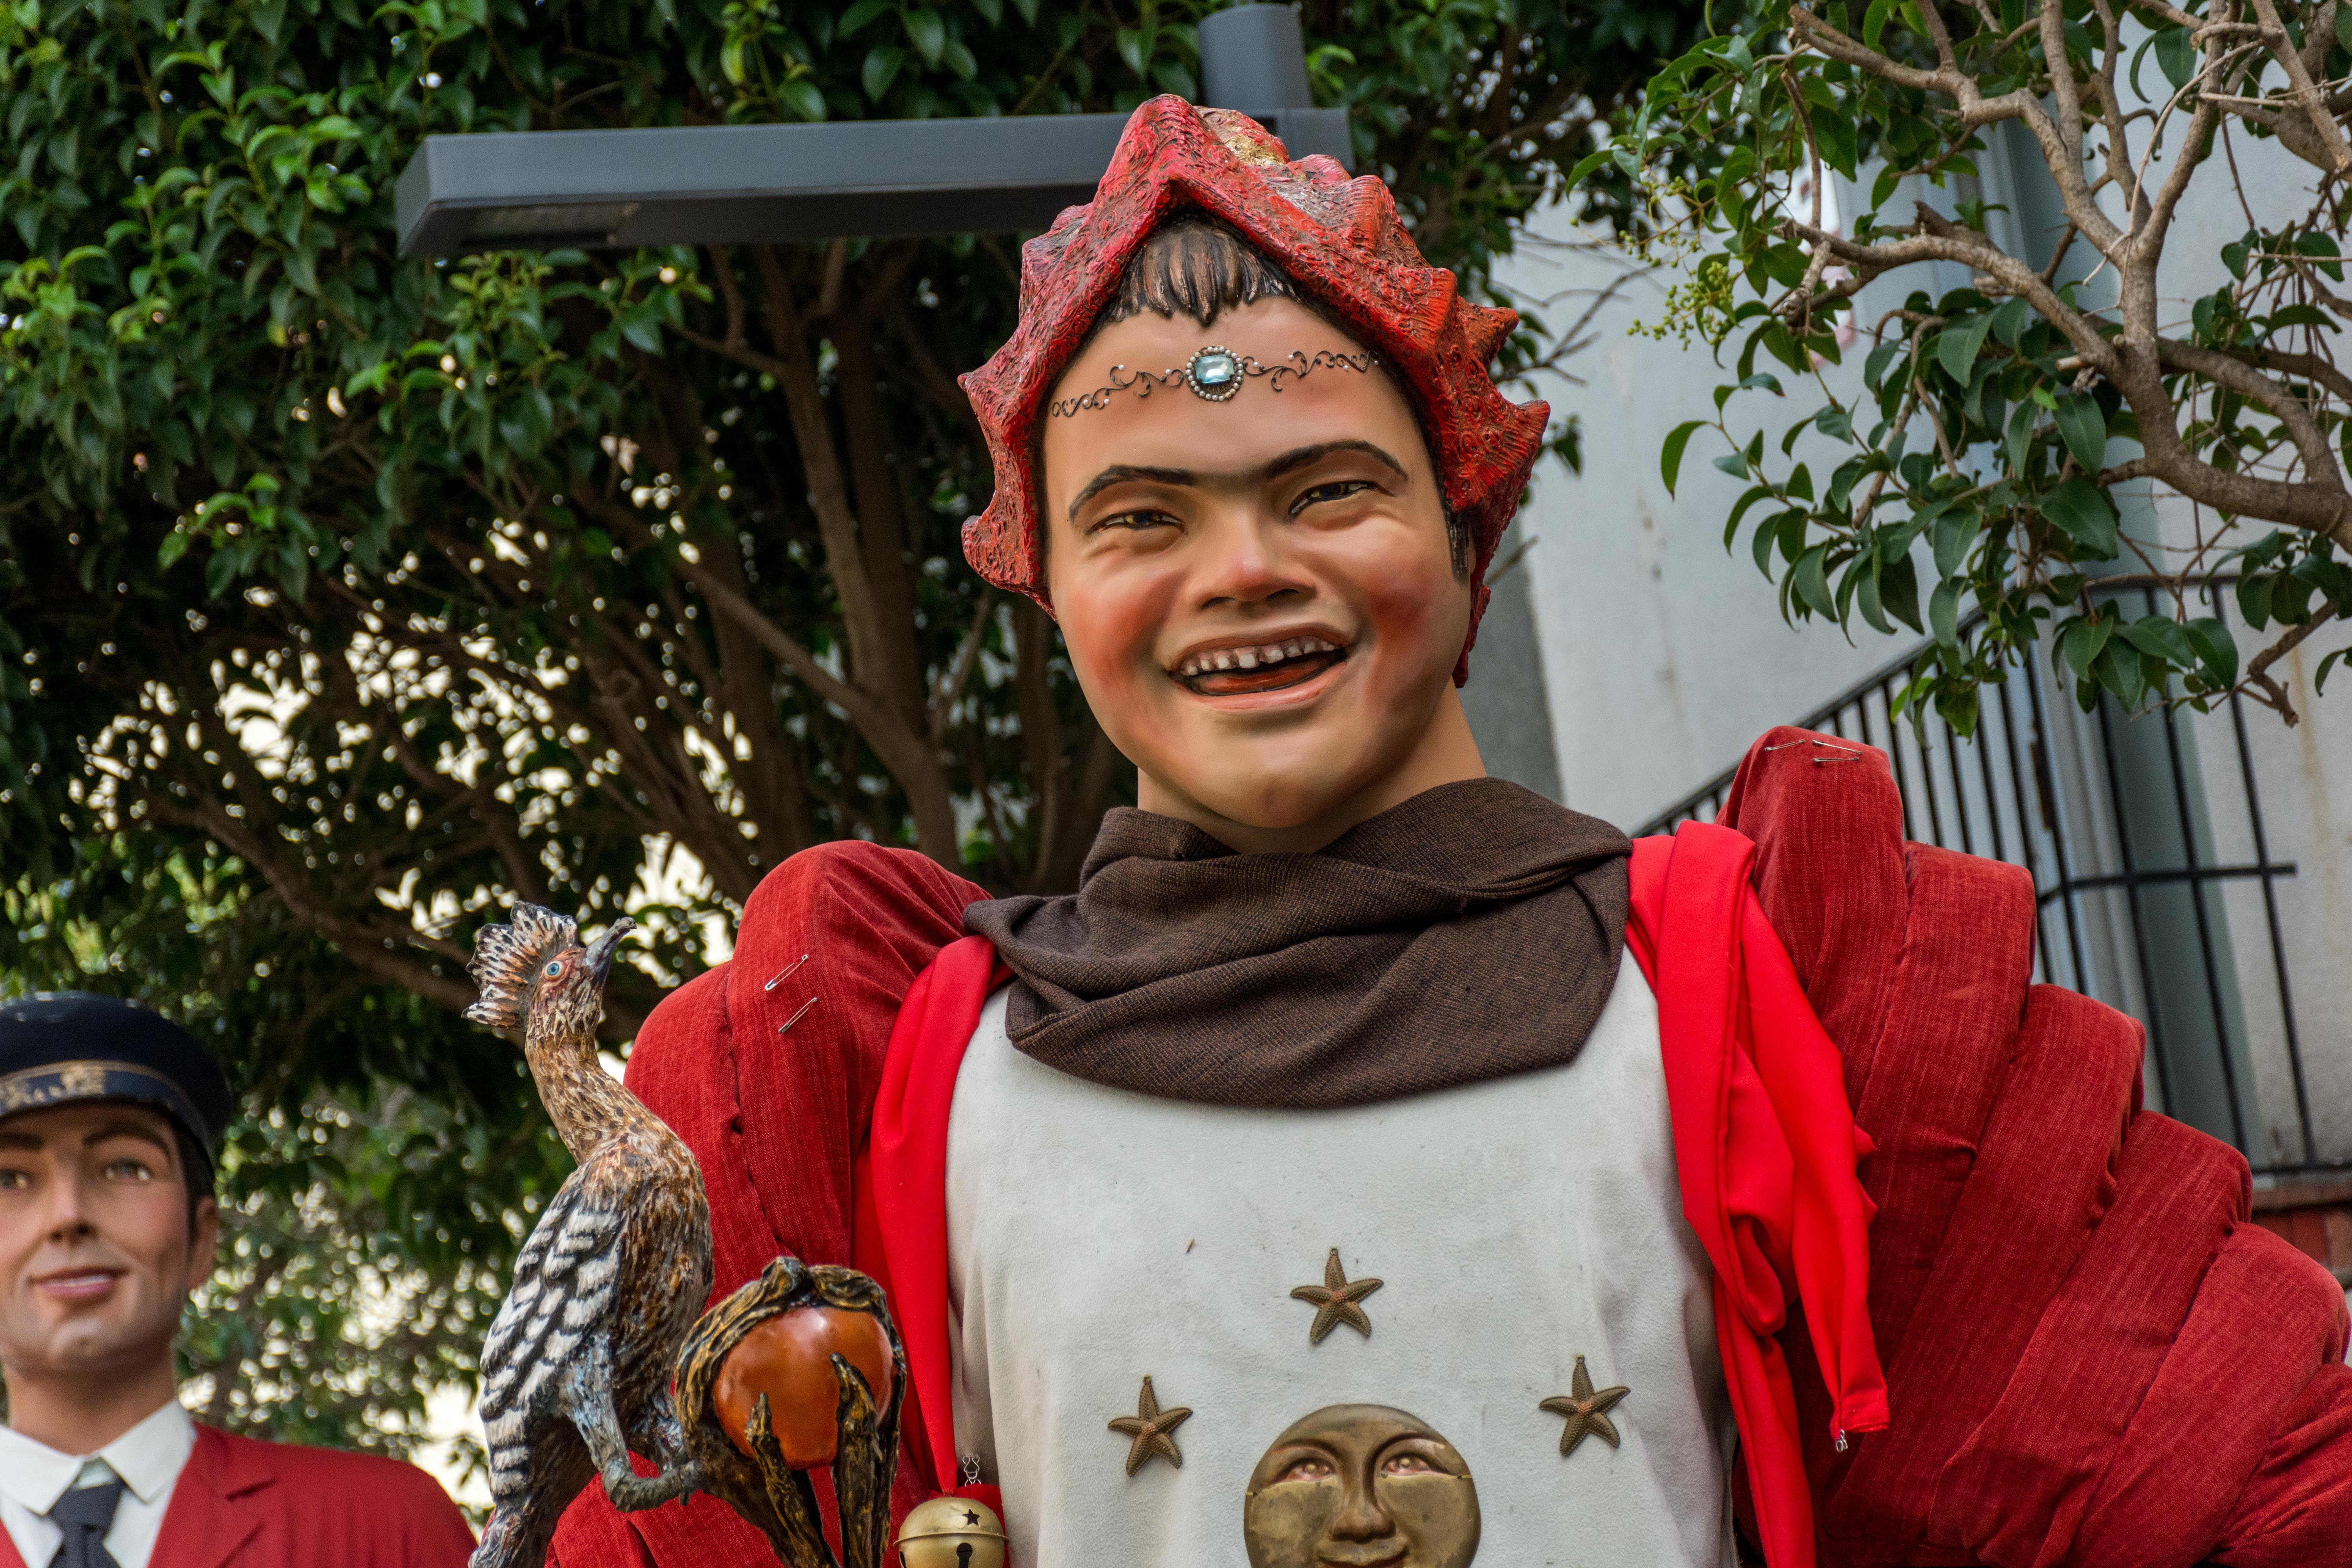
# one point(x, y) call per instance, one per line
point(1214, 372)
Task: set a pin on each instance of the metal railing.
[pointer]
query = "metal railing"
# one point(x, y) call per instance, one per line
point(2153, 869)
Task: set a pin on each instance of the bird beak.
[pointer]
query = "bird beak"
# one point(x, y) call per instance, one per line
point(601, 951)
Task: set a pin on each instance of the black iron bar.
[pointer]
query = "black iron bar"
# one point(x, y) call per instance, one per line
point(2204, 923)
point(2154, 1019)
point(2154, 879)
point(2056, 829)
point(1959, 788)
point(2215, 596)
point(2025, 834)
point(1893, 756)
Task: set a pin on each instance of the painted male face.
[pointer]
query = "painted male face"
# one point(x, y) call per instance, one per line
point(96, 1254)
point(1257, 594)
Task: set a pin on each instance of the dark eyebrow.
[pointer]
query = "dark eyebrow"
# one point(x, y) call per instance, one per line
point(1120, 473)
point(1301, 456)
point(129, 1129)
point(1288, 462)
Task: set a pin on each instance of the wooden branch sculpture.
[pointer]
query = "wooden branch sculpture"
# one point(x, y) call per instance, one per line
point(751, 1391)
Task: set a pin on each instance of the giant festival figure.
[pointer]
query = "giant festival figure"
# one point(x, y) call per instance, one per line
point(1372, 1163)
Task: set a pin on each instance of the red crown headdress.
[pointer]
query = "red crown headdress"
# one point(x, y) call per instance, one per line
point(1339, 241)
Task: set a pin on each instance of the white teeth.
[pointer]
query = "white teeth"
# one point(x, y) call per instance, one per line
point(1252, 658)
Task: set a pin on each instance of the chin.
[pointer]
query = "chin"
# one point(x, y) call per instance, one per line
point(1276, 799)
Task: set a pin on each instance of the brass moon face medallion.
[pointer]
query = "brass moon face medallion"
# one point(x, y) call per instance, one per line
point(1361, 1483)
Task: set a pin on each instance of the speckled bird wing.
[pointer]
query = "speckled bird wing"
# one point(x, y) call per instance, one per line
point(565, 1284)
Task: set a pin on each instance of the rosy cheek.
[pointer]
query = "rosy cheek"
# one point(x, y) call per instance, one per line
point(1112, 627)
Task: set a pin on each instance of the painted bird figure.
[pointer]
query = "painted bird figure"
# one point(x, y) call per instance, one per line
point(576, 1370)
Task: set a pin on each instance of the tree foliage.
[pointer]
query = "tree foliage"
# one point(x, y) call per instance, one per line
point(1977, 465)
point(344, 600)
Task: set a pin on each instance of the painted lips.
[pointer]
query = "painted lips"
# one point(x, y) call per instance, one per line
point(79, 1285)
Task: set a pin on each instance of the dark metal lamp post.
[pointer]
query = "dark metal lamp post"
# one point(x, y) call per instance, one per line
point(736, 185)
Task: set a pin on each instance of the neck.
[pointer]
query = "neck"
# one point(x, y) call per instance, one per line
point(1446, 752)
point(583, 1100)
point(82, 1411)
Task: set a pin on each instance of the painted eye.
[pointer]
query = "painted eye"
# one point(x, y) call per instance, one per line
point(554, 968)
point(1407, 1465)
point(1304, 1470)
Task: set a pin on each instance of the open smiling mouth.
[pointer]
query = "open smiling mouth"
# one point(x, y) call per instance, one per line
point(1258, 667)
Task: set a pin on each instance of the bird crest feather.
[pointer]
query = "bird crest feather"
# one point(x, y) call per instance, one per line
point(507, 956)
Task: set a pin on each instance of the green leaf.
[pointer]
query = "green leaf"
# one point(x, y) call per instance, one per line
point(2084, 427)
point(928, 31)
point(1953, 532)
point(1873, 367)
point(2319, 243)
point(2175, 56)
point(2009, 322)
point(2319, 676)
point(2217, 651)
point(1812, 583)
point(2118, 669)
point(2081, 641)
point(881, 68)
point(859, 15)
point(1898, 591)
point(802, 98)
point(2079, 510)
point(641, 324)
point(1944, 613)
point(174, 545)
point(1669, 460)
point(1956, 346)
point(2161, 637)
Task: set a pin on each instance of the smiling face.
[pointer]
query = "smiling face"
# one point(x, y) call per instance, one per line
point(1258, 594)
point(96, 1253)
point(1361, 1486)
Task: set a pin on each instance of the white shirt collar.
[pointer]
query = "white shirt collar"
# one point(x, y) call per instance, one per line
point(149, 1458)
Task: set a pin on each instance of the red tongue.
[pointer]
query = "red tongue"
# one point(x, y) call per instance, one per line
point(1264, 677)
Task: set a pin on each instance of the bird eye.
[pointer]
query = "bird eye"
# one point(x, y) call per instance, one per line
point(554, 968)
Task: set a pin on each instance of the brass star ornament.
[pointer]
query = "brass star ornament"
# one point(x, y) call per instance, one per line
point(1152, 1429)
point(1585, 1409)
point(1334, 1301)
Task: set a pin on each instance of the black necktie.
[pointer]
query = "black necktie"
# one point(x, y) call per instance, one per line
point(86, 1514)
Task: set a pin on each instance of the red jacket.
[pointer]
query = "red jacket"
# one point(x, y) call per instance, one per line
point(2091, 1356)
point(240, 1503)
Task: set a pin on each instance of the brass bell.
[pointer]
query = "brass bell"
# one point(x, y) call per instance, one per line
point(952, 1532)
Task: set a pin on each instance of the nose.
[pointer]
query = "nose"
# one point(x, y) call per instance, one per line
point(69, 1216)
point(1362, 1518)
point(1250, 565)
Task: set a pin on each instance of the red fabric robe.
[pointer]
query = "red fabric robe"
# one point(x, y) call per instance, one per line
point(2091, 1356)
point(240, 1503)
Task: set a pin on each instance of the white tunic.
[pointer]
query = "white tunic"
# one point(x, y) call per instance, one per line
point(1097, 1234)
